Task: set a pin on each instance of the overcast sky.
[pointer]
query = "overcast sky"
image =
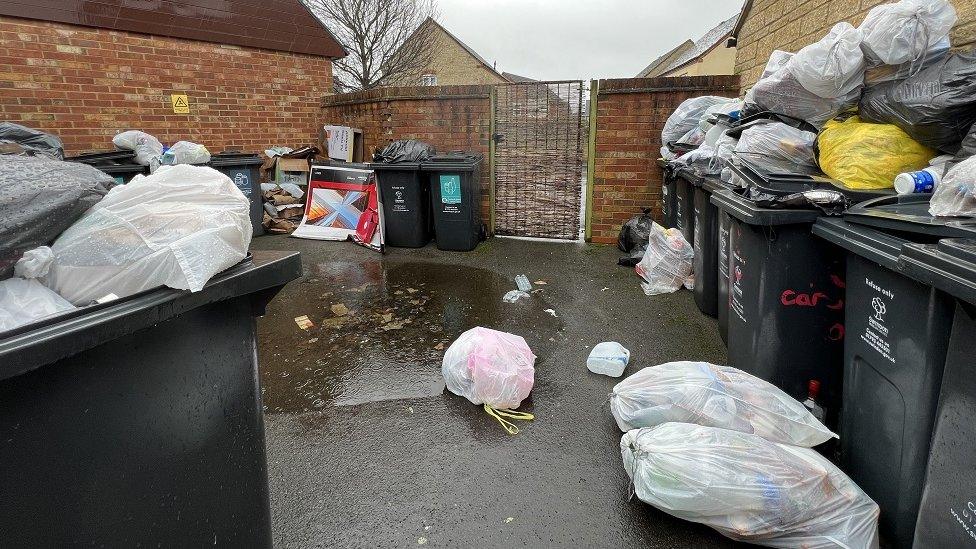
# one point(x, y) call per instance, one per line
point(579, 39)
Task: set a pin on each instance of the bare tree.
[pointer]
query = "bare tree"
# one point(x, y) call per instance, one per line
point(387, 40)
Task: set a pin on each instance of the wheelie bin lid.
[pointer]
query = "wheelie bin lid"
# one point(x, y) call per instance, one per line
point(103, 158)
point(881, 248)
point(783, 184)
point(747, 211)
point(949, 266)
point(452, 161)
point(910, 214)
point(235, 158)
point(394, 166)
point(712, 183)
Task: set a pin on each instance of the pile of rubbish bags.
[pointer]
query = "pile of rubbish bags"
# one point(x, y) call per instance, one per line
point(715, 445)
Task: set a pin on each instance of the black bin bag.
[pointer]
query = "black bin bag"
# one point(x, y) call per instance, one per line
point(633, 238)
point(936, 107)
point(405, 150)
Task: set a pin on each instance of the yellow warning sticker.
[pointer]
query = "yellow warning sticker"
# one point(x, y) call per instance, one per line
point(181, 105)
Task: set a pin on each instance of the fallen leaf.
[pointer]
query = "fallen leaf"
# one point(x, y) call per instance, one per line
point(304, 322)
point(412, 290)
point(415, 302)
point(398, 292)
point(340, 309)
point(325, 295)
point(388, 317)
point(439, 346)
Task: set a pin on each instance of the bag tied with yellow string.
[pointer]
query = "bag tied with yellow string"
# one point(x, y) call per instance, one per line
point(494, 369)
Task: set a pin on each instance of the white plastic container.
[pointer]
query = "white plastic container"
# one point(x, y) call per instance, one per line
point(922, 181)
point(608, 358)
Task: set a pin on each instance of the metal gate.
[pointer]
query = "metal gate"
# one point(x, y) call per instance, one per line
point(539, 158)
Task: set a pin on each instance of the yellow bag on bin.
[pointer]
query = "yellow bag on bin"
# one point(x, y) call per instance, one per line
point(863, 155)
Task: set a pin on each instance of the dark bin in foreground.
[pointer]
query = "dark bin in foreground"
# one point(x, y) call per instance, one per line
point(455, 195)
point(947, 514)
point(684, 203)
point(706, 245)
point(897, 332)
point(139, 422)
point(244, 169)
point(406, 204)
point(668, 190)
point(786, 317)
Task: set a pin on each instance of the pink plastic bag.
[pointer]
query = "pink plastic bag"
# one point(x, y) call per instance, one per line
point(490, 367)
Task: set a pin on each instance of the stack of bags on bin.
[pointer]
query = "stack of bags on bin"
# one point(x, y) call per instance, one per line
point(70, 238)
point(718, 446)
point(151, 152)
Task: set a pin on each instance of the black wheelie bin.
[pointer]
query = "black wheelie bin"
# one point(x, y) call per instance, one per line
point(684, 202)
point(947, 512)
point(405, 195)
point(668, 190)
point(897, 331)
point(455, 196)
point(138, 422)
point(706, 245)
point(244, 169)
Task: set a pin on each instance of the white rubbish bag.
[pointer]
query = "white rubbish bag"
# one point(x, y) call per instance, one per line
point(686, 117)
point(25, 301)
point(832, 67)
point(777, 148)
point(148, 149)
point(667, 262)
point(608, 358)
point(714, 396)
point(905, 31)
point(491, 368)
point(748, 488)
point(177, 227)
point(782, 93)
point(955, 195)
point(186, 152)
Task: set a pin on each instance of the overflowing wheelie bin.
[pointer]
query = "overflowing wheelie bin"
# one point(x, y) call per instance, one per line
point(706, 245)
point(684, 202)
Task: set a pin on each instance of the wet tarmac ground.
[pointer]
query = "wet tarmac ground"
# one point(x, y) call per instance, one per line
point(367, 449)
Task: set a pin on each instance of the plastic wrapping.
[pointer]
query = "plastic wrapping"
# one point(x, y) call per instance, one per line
point(777, 148)
point(40, 198)
point(832, 67)
point(700, 159)
point(881, 74)
point(633, 238)
point(726, 107)
point(748, 488)
point(608, 358)
point(26, 301)
point(829, 202)
point(936, 107)
point(406, 150)
point(714, 396)
point(177, 227)
point(667, 262)
point(35, 142)
point(863, 155)
point(186, 152)
point(956, 194)
point(724, 149)
point(490, 367)
point(686, 117)
point(905, 31)
point(149, 150)
point(782, 93)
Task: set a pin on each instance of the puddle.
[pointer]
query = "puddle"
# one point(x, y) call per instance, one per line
point(379, 331)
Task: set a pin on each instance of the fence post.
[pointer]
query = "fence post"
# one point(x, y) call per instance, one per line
point(591, 159)
point(491, 161)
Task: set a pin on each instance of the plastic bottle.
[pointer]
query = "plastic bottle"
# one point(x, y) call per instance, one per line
point(922, 181)
point(813, 391)
point(608, 358)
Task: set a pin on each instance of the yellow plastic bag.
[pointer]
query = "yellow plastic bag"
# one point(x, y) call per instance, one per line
point(863, 155)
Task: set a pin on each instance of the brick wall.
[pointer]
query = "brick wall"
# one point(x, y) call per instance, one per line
point(630, 116)
point(791, 24)
point(87, 84)
point(451, 118)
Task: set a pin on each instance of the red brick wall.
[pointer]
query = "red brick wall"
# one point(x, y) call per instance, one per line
point(86, 84)
point(630, 116)
point(451, 118)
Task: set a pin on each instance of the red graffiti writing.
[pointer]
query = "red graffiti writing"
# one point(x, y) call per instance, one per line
point(836, 332)
point(791, 298)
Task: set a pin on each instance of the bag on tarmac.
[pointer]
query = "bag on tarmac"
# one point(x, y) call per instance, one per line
point(177, 227)
point(714, 396)
point(956, 194)
point(41, 197)
point(667, 263)
point(748, 488)
point(864, 155)
point(936, 107)
point(633, 238)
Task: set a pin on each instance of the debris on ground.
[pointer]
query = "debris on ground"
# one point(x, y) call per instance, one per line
point(514, 295)
point(667, 263)
point(522, 283)
point(339, 309)
point(304, 322)
point(540, 282)
point(633, 238)
point(608, 358)
point(551, 312)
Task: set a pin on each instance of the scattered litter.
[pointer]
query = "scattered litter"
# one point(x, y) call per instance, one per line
point(412, 290)
point(421, 541)
point(608, 358)
point(340, 309)
point(633, 237)
point(387, 317)
point(398, 292)
point(714, 396)
point(304, 322)
point(604, 289)
point(514, 295)
point(540, 282)
point(522, 282)
point(411, 409)
point(492, 368)
point(509, 519)
point(439, 346)
point(552, 312)
point(415, 302)
point(313, 340)
point(748, 488)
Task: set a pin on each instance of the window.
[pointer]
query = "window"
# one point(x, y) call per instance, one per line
point(428, 80)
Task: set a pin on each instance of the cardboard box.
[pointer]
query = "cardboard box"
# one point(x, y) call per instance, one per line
point(291, 170)
point(354, 150)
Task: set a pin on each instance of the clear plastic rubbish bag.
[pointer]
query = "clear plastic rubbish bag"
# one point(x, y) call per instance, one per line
point(782, 93)
point(714, 396)
point(832, 67)
point(148, 149)
point(496, 369)
point(177, 227)
point(25, 301)
point(956, 194)
point(905, 31)
point(748, 488)
point(186, 152)
point(777, 148)
point(667, 262)
point(686, 117)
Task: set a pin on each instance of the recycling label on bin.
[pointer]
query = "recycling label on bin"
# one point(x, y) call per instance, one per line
point(451, 189)
point(399, 199)
point(242, 180)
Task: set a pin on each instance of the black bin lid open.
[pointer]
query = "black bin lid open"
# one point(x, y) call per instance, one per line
point(949, 266)
point(783, 184)
point(909, 214)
